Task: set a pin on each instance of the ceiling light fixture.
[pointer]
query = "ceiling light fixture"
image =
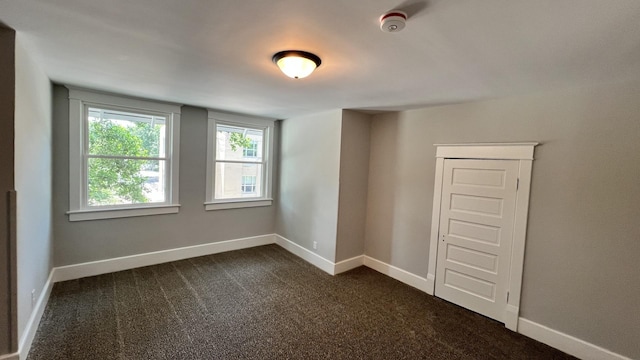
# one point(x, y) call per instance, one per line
point(296, 64)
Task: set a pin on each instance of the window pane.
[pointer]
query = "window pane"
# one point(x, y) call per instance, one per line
point(125, 181)
point(238, 180)
point(126, 134)
point(238, 143)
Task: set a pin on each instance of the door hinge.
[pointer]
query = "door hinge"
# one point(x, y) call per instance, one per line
point(507, 296)
point(518, 184)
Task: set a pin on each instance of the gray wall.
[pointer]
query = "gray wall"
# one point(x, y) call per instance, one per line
point(354, 175)
point(77, 242)
point(309, 173)
point(581, 270)
point(7, 250)
point(32, 180)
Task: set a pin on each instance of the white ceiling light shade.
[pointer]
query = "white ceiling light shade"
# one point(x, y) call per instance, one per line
point(296, 64)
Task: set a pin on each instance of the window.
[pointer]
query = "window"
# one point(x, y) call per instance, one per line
point(238, 161)
point(248, 184)
point(123, 156)
point(251, 150)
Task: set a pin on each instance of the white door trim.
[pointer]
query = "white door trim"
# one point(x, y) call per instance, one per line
point(496, 151)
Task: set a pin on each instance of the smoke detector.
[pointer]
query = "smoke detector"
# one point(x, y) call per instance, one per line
point(393, 21)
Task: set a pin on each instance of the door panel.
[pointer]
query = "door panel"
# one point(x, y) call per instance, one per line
point(474, 232)
point(480, 205)
point(479, 177)
point(472, 258)
point(476, 229)
point(471, 285)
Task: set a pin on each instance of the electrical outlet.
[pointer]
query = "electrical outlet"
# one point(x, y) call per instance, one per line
point(33, 298)
point(315, 245)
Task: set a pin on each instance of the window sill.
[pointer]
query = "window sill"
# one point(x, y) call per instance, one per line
point(98, 214)
point(237, 204)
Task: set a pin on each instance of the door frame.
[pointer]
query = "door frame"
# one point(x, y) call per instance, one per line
point(523, 152)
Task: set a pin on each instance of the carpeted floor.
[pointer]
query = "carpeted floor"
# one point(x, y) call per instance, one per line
point(263, 303)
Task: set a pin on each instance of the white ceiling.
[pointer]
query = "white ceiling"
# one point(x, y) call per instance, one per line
point(217, 53)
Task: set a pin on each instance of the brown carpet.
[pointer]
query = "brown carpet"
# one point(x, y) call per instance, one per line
point(263, 303)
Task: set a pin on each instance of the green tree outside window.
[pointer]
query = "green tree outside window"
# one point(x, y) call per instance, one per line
point(113, 181)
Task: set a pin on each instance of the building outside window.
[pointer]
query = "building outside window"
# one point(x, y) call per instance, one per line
point(251, 150)
point(248, 184)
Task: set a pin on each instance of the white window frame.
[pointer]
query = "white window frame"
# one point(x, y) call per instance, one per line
point(264, 124)
point(79, 101)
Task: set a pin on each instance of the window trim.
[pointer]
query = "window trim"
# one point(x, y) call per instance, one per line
point(265, 124)
point(79, 100)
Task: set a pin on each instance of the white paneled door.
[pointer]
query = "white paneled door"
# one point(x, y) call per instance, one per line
point(476, 234)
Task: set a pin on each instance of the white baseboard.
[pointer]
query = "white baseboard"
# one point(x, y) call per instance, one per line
point(554, 338)
point(567, 343)
point(26, 338)
point(93, 268)
point(318, 261)
point(77, 271)
point(349, 264)
point(404, 276)
point(306, 254)
point(12, 356)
